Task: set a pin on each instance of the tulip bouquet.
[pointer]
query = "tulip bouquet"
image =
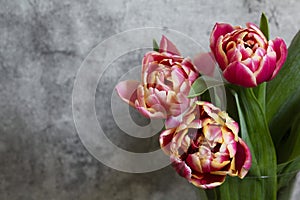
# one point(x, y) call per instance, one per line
point(251, 153)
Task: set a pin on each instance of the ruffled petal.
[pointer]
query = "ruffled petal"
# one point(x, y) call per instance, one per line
point(220, 55)
point(165, 140)
point(127, 90)
point(280, 48)
point(167, 46)
point(258, 32)
point(266, 68)
point(238, 73)
point(181, 168)
point(218, 30)
point(178, 78)
point(207, 180)
point(243, 159)
point(156, 111)
point(193, 161)
point(213, 133)
point(173, 121)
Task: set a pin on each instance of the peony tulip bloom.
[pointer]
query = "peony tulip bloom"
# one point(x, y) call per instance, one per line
point(166, 81)
point(205, 147)
point(244, 54)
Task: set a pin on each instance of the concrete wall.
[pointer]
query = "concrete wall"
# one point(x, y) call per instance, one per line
point(42, 45)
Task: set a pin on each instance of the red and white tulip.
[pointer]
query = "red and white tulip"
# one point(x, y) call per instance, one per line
point(205, 147)
point(166, 81)
point(244, 54)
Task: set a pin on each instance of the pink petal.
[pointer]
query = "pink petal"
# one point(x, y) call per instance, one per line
point(187, 65)
point(252, 62)
point(161, 95)
point(156, 111)
point(189, 68)
point(220, 55)
point(148, 58)
point(185, 88)
point(232, 125)
point(196, 124)
point(281, 54)
point(178, 78)
point(262, 38)
point(161, 84)
point(238, 73)
point(205, 63)
point(208, 181)
point(193, 161)
point(165, 140)
point(173, 121)
point(176, 109)
point(183, 100)
point(181, 168)
point(152, 100)
point(205, 156)
point(181, 142)
point(229, 140)
point(213, 133)
point(266, 68)
point(218, 30)
point(243, 159)
point(149, 74)
point(167, 46)
point(234, 54)
point(246, 52)
point(180, 106)
point(127, 90)
point(219, 162)
point(260, 52)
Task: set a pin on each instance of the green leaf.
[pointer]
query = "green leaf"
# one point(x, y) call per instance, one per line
point(287, 171)
point(227, 188)
point(260, 139)
point(295, 138)
point(260, 93)
point(248, 188)
point(202, 84)
point(264, 25)
point(291, 142)
point(245, 136)
point(155, 46)
point(207, 194)
point(283, 94)
point(202, 194)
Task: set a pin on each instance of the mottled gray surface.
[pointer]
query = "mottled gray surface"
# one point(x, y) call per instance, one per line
point(43, 43)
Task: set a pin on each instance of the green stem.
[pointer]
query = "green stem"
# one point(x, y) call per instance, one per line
point(255, 132)
point(260, 93)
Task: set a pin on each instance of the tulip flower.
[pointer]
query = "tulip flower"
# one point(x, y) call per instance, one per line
point(205, 147)
point(244, 54)
point(166, 81)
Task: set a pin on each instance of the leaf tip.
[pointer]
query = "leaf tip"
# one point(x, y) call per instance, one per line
point(264, 25)
point(155, 45)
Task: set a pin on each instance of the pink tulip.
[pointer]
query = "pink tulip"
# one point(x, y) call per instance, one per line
point(166, 81)
point(205, 147)
point(244, 54)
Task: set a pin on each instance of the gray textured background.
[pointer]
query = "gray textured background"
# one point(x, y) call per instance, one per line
point(43, 43)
